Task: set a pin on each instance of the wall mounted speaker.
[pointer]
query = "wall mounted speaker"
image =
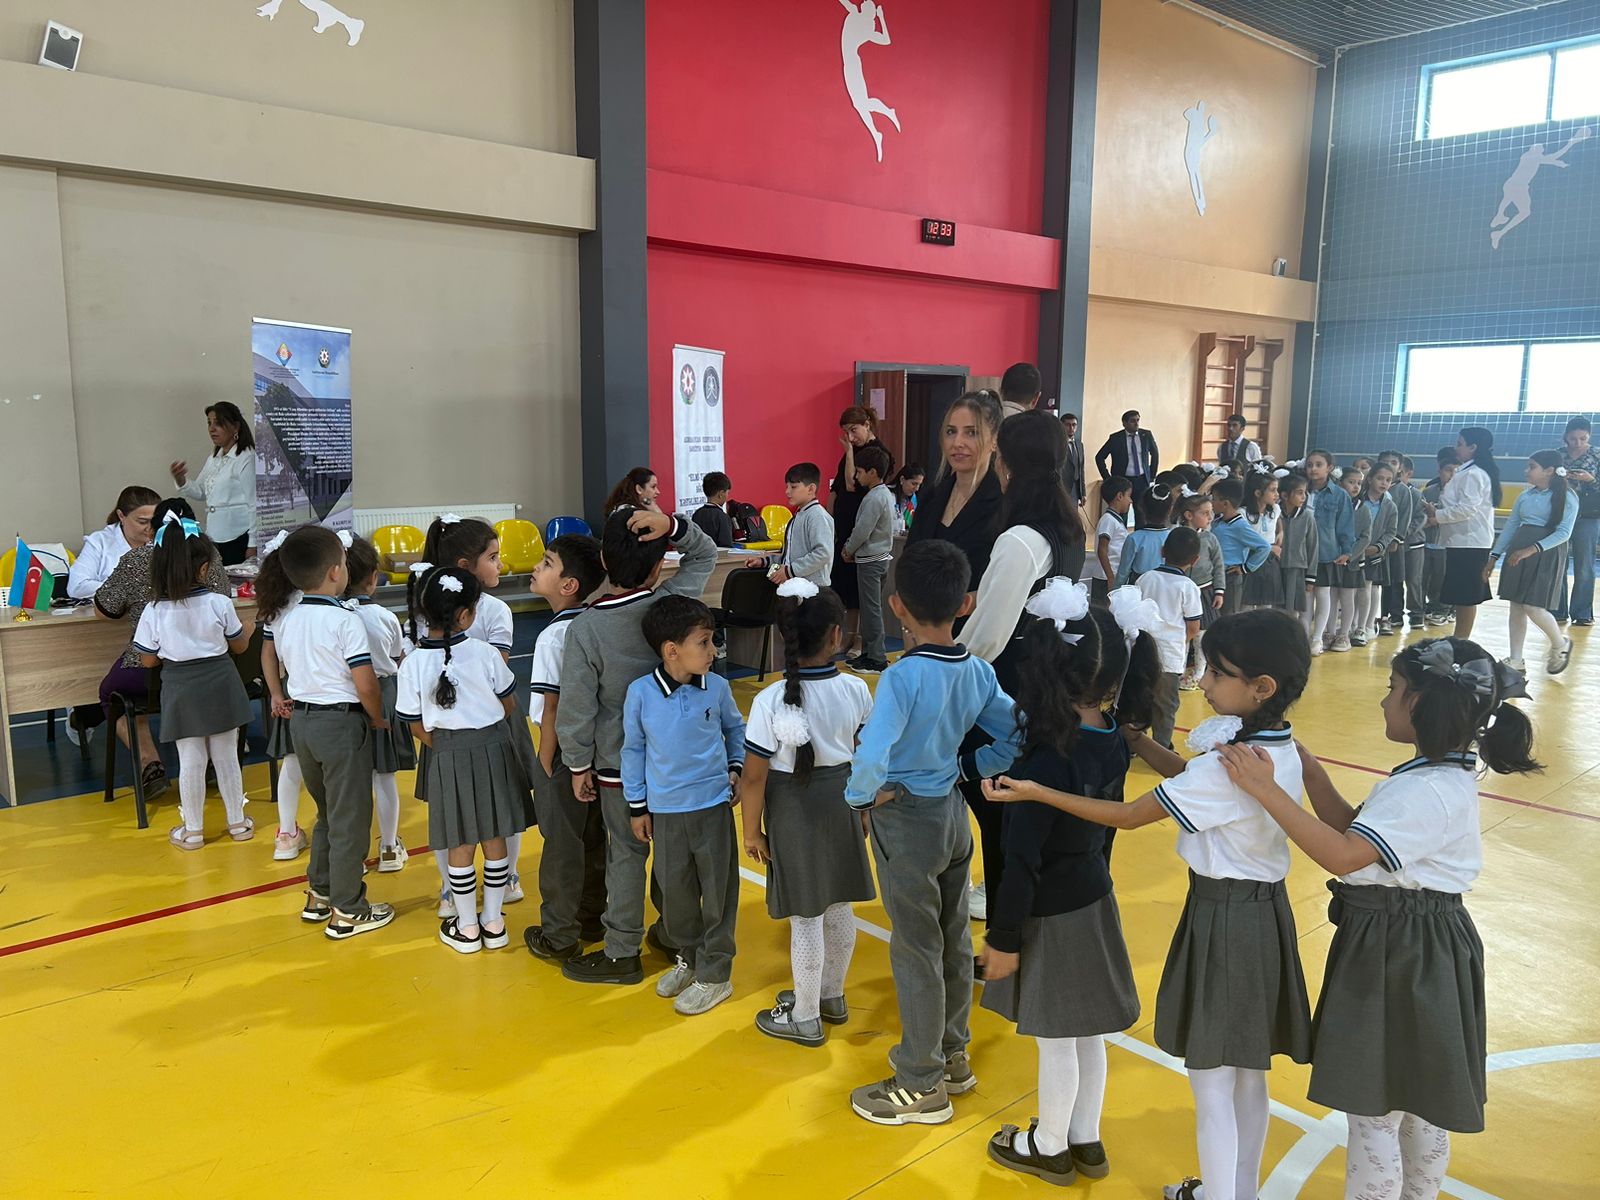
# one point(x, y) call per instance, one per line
point(61, 47)
point(1280, 266)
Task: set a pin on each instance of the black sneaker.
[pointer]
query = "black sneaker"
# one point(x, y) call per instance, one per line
point(493, 940)
point(1090, 1159)
point(656, 939)
point(348, 925)
point(450, 934)
point(867, 666)
point(316, 910)
point(595, 967)
point(833, 1009)
point(541, 947)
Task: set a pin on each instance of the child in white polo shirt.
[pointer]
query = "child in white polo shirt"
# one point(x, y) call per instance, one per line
point(1178, 598)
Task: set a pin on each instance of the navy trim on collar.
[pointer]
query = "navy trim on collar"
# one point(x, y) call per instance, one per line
point(1112, 728)
point(1271, 736)
point(824, 672)
point(668, 684)
point(568, 614)
point(1171, 570)
point(322, 600)
point(954, 654)
point(622, 599)
point(364, 600)
point(1456, 758)
point(429, 643)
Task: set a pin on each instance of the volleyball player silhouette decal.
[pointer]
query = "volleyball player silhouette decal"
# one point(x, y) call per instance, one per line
point(1515, 193)
point(1202, 128)
point(864, 23)
point(327, 17)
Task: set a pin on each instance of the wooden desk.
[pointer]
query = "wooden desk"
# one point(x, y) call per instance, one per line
point(58, 662)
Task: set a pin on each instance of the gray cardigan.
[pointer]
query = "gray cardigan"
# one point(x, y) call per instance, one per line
point(1380, 530)
point(808, 544)
point(1300, 542)
point(872, 540)
point(1208, 571)
point(606, 652)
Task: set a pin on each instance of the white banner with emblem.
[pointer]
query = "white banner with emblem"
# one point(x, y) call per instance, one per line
point(697, 399)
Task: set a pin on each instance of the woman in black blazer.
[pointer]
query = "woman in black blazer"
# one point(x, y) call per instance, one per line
point(961, 504)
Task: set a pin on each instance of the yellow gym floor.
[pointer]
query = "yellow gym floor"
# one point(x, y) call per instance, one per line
point(171, 1029)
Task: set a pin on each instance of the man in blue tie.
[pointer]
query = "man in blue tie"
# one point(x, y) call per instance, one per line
point(1132, 453)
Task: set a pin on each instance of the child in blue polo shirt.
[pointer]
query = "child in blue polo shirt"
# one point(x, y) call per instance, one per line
point(682, 752)
point(905, 773)
point(1244, 550)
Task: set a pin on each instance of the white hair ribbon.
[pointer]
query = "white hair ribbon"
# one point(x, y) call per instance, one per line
point(449, 519)
point(346, 539)
point(797, 588)
point(1133, 612)
point(450, 583)
point(421, 568)
point(1061, 601)
point(1214, 732)
point(276, 544)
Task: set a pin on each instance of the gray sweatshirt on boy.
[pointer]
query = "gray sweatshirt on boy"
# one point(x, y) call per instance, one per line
point(606, 652)
point(872, 540)
point(808, 544)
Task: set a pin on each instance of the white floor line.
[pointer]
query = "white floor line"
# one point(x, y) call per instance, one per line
point(1319, 1138)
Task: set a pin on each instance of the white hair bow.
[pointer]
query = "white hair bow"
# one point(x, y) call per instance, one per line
point(1336, 474)
point(421, 568)
point(1134, 613)
point(1281, 473)
point(1261, 468)
point(1222, 472)
point(1295, 464)
point(1214, 732)
point(449, 519)
point(276, 544)
point(1185, 490)
point(791, 726)
point(346, 539)
point(1061, 600)
point(797, 588)
point(450, 583)
point(1561, 471)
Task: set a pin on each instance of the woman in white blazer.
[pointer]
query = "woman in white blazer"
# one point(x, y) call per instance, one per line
point(1465, 519)
point(227, 483)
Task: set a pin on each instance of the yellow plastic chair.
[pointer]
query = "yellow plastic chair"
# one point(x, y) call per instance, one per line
point(1508, 497)
point(521, 546)
point(776, 517)
point(397, 539)
point(8, 565)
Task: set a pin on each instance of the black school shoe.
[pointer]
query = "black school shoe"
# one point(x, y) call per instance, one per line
point(1052, 1168)
point(450, 934)
point(1090, 1159)
point(595, 967)
point(541, 947)
point(833, 1010)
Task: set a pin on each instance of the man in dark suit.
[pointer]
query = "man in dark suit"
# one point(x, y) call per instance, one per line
point(1131, 453)
point(1072, 467)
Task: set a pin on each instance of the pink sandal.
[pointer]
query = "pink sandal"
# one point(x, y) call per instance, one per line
point(243, 831)
point(186, 839)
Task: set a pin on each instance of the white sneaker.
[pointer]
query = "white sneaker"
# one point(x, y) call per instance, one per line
point(73, 735)
point(392, 858)
point(514, 890)
point(978, 902)
point(447, 905)
point(1317, 648)
point(1341, 645)
point(1559, 657)
point(287, 846)
point(676, 980)
point(700, 997)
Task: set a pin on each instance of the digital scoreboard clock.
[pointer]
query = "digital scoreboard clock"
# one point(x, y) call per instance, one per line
point(938, 233)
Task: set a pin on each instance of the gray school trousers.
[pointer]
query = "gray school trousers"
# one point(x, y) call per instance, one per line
point(697, 865)
point(572, 866)
point(626, 860)
point(335, 753)
point(923, 847)
point(1166, 707)
point(870, 578)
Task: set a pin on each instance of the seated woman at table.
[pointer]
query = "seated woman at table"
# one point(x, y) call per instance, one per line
point(128, 525)
point(124, 596)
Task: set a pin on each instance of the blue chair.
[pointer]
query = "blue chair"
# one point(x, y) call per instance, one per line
point(561, 526)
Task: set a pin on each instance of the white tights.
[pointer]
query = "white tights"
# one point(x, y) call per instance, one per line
point(1333, 616)
point(1230, 1109)
point(290, 779)
point(820, 949)
point(1521, 614)
point(1395, 1157)
point(1366, 605)
point(222, 749)
point(1072, 1092)
point(386, 799)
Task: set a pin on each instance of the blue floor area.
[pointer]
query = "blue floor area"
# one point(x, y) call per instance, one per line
point(50, 770)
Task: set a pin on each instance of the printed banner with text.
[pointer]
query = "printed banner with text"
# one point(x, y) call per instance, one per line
point(305, 459)
point(696, 422)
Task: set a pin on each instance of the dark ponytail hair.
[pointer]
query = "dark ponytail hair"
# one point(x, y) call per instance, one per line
point(804, 625)
point(1100, 669)
point(441, 609)
point(1155, 506)
point(300, 564)
point(627, 490)
point(1263, 641)
point(362, 560)
point(1255, 486)
point(1448, 717)
point(464, 540)
point(1559, 490)
point(1482, 442)
point(1033, 445)
point(131, 497)
point(178, 562)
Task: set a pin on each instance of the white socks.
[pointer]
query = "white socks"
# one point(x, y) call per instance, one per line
point(820, 949)
point(290, 780)
point(1321, 612)
point(1230, 1106)
point(441, 859)
point(1396, 1157)
point(496, 877)
point(1364, 613)
point(1347, 611)
point(514, 852)
point(222, 750)
point(1517, 624)
point(386, 799)
point(464, 889)
point(1072, 1092)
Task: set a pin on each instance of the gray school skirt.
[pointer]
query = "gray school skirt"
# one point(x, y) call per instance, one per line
point(1400, 1024)
point(1232, 993)
point(201, 698)
point(1535, 581)
point(1073, 978)
point(394, 750)
point(1264, 585)
point(1293, 585)
point(477, 789)
point(819, 850)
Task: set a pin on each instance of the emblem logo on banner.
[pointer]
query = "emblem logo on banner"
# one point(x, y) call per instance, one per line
point(324, 358)
point(284, 353)
point(686, 384)
point(711, 387)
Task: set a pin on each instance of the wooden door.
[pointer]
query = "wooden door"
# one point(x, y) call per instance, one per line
point(884, 392)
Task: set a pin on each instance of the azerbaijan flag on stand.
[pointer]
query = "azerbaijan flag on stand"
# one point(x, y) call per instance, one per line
point(32, 585)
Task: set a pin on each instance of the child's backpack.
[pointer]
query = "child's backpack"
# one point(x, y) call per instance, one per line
point(747, 523)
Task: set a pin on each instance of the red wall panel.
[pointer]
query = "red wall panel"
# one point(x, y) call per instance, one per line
point(755, 94)
point(793, 334)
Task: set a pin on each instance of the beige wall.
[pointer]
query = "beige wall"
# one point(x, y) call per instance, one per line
point(442, 232)
point(1161, 274)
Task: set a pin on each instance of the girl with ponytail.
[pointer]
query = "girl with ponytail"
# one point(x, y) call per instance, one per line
point(1400, 1025)
point(457, 694)
point(1532, 549)
point(1464, 517)
point(1142, 551)
point(1056, 963)
point(799, 743)
point(1236, 923)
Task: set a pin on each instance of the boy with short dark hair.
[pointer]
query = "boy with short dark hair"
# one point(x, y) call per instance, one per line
point(1244, 550)
point(682, 753)
point(1116, 494)
point(1178, 598)
point(572, 867)
point(605, 653)
point(808, 540)
point(905, 774)
point(1433, 555)
point(870, 547)
point(712, 516)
